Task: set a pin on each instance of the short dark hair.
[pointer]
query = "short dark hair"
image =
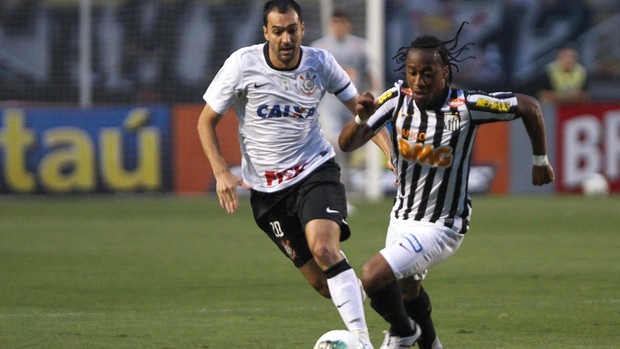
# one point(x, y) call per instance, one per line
point(339, 13)
point(283, 6)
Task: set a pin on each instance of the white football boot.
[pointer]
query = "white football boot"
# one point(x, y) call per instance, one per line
point(396, 342)
point(364, 339)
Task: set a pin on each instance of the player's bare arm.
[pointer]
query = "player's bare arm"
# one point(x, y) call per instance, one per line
point(354, 135)
point(381, 139)
point(226, 182)
point(530, 112)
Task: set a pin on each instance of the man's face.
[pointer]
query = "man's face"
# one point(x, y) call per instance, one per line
point(426, 75)
point(284, 32)
point(341, 27)
point(567, 58)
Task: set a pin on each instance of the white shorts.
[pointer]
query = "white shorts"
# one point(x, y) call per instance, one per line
point(412, 246)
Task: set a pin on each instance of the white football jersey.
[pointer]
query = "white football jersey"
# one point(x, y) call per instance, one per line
point(279, 131)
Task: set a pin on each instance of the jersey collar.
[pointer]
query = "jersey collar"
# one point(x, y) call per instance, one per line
point(266, 55)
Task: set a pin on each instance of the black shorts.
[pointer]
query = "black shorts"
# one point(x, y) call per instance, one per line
point(283, 215)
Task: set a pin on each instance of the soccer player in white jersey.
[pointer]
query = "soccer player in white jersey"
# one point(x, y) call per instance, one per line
point(433, 130)
point(296, 194)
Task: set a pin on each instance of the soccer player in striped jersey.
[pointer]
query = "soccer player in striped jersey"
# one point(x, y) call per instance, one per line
point(433, 129)
point(296, 194)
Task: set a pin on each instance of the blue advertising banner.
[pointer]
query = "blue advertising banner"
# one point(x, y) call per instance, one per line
point(73, 150)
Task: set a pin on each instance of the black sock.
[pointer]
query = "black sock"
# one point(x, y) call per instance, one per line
point(419, 309)
point(337, 268)
point(388, 302)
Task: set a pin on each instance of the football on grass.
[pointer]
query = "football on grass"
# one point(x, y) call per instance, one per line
point(595, 185)
point(338, 339)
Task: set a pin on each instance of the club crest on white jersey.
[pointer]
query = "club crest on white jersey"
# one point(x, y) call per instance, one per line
point(306, 83)
point(279, 130)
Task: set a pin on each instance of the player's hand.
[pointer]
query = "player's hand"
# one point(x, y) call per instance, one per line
point(365, 105)
point(542, 175)
point(226, 189)
point(391, 167)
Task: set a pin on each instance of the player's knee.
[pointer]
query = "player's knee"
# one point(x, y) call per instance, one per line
point(323, 242)
point(325, 255)
point(369, 279)
point(374, 277)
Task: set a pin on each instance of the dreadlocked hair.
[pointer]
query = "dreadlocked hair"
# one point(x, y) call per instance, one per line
point(449, 51)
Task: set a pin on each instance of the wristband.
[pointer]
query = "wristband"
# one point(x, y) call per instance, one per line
point(359, 120)
point(540, 160)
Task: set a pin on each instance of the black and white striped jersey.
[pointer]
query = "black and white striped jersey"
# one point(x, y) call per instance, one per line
point(432, 150)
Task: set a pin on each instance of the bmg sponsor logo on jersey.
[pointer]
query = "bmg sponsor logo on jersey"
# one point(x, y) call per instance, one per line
point(266, 111)
point(423, 154)
point(426, 154)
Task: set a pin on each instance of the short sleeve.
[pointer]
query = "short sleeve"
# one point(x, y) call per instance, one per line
point(226, 87)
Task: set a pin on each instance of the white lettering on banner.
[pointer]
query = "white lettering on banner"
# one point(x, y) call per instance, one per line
point(581, 146)
point(612, 144)
point(591, 144)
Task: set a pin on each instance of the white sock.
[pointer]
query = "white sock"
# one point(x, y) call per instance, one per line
point(347, 296)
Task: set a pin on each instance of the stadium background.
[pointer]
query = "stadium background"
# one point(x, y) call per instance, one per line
point(172, 271)
point(103, 96)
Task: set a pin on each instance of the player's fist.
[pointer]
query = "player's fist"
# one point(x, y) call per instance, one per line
point(542, 175)
point(365, 105)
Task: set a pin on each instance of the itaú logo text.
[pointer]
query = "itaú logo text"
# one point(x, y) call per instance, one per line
point(426, 154)
point(284, 111)
point(78, 158)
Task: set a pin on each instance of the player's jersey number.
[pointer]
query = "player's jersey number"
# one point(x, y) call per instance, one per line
point(276, 227)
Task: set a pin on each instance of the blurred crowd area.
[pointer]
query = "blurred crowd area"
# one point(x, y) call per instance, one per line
point(167, 51)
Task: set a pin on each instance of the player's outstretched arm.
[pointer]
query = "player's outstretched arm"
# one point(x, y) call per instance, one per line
point(356, 133)
point(226, 182)
point(530, 112)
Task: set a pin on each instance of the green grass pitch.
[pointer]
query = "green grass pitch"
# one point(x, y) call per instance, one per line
point(167, 272)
